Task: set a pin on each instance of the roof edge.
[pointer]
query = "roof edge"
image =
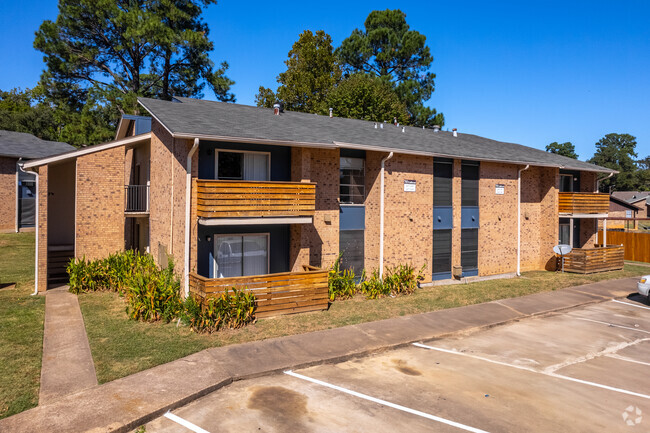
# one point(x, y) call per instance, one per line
point(86, 150)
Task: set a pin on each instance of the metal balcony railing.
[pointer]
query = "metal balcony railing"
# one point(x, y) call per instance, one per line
point(136, 198)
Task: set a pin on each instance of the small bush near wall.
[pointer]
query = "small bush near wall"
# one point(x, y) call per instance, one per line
point(398, 280)
point(153, 294)
point(228, 310)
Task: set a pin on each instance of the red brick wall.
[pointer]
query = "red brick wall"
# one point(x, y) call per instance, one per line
point(42, 227)
point(7, 194)
point(100, 203)
point(497, 235)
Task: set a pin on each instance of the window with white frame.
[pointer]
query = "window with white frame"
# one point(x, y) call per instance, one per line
point(237, 165)
point(241, 255)
point(352, 180)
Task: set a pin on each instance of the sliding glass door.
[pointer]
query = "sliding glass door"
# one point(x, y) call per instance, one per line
point(241, 255)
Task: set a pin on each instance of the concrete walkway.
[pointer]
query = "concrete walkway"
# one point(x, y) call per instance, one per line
point(67, 362)
point(125, 404)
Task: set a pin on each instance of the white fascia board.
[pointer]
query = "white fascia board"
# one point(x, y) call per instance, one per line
point(254, 221)
point(584, 215)
point(87, 150)
point(206, 137)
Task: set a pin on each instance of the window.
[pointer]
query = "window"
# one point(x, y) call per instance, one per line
point(469, 249)
point(241, 255)
point(351, 245)
point(469, 186)
point(352, 180)
point(565, 232)
point(442, 183)
point(232, 165)
point(442, 252)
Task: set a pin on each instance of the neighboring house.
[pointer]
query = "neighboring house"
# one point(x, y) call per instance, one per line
point(639, 199)
point(17, 188)
point(228, 190)
point(619, 208)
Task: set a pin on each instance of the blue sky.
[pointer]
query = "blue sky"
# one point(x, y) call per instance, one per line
point(526, 72)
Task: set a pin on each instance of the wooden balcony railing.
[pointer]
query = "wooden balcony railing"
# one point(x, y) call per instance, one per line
point(241, 198)
point(591, 260)
point(275, 294)
point(584, 203)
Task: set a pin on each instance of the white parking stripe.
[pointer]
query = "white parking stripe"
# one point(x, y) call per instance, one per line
point(613, 325)
point(625, 358)
point(387, 403)
point(558, 376)
point(631, 305)
point(195, 428)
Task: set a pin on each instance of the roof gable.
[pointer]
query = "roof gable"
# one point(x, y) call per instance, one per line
point(23, 145)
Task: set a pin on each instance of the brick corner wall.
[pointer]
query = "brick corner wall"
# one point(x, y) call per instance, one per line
point(8, 194)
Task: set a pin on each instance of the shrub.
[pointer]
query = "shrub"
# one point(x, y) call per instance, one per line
point(153, 294)
point(341, 284)
point(227, 310)
point(398, 280)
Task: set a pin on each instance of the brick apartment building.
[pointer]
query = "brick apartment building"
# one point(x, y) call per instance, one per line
point(228, 190)
point(17, 188)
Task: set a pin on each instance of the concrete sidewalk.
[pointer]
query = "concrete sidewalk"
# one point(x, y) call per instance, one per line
point(127, 403)
point(67, 362)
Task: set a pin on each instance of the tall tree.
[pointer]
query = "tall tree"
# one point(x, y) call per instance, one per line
point(565, 149)
point(643, 174)
point(617, 151)
point(110, 52)
point(388, 49)
point(312, 72)
point(364, 96)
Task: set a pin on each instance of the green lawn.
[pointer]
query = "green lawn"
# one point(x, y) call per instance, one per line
point(121, 347)
point(21, 325)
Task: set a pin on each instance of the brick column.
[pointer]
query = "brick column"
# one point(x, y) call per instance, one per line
point(298, 236)
point(42, 228)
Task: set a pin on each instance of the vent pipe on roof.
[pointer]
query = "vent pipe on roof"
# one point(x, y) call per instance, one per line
point(375, 125)
point(454, 132)
point(331, 113)
point(403, 129)
point(381, 126)
point(395, 121)
point(436, 128)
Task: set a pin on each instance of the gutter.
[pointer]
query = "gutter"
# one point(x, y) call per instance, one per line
point(188, 205)
point(600, 180)
point(519, 218)
point(381, 216)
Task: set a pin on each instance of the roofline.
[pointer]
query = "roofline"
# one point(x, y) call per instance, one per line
point(86, 150)
point(623, 203)
point(336, 144)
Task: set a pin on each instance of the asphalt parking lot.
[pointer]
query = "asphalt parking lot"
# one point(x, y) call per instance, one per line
point(585, 369)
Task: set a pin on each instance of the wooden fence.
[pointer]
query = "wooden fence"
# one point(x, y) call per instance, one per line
point(239, 198)
point(637, 245)
point(275, 294)
point(591, 260)
point(583, 203)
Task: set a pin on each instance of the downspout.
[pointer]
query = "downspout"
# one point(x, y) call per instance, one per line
point(519, 218)
point(36, 224)
point(18, 192)
point(188, 205)
point(381, 216)
point(600, 180)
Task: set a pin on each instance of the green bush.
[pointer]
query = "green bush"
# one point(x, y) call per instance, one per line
point(153, 294)
point(227, 310)
point(398, 280)
point(341, 284)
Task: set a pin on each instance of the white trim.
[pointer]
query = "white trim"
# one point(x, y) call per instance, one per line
point(17, 201)
point(87, 150)
point(381, 215)
point(216, 162)
point(188, 210)
point(584, 215)
point(254, 221)
point(251, 140)
point(243, 235)
point(36, 221)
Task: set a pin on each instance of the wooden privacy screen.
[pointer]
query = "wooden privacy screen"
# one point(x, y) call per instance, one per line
point(583, 203)
point(590, 260)
point(637, 245)
point(241, 198)
point(275, 294)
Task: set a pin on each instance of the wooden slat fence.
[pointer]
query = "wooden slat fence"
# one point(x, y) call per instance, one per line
point(591, 260)
point(583, 203)
point(275, 294)
point(637, 245)
point(239, 198)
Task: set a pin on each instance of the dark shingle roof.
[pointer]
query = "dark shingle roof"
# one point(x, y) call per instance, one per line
point(23, 145)
point(209, 118)
point(631, 196)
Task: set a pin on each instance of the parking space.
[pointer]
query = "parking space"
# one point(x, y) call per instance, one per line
point(582, 370)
